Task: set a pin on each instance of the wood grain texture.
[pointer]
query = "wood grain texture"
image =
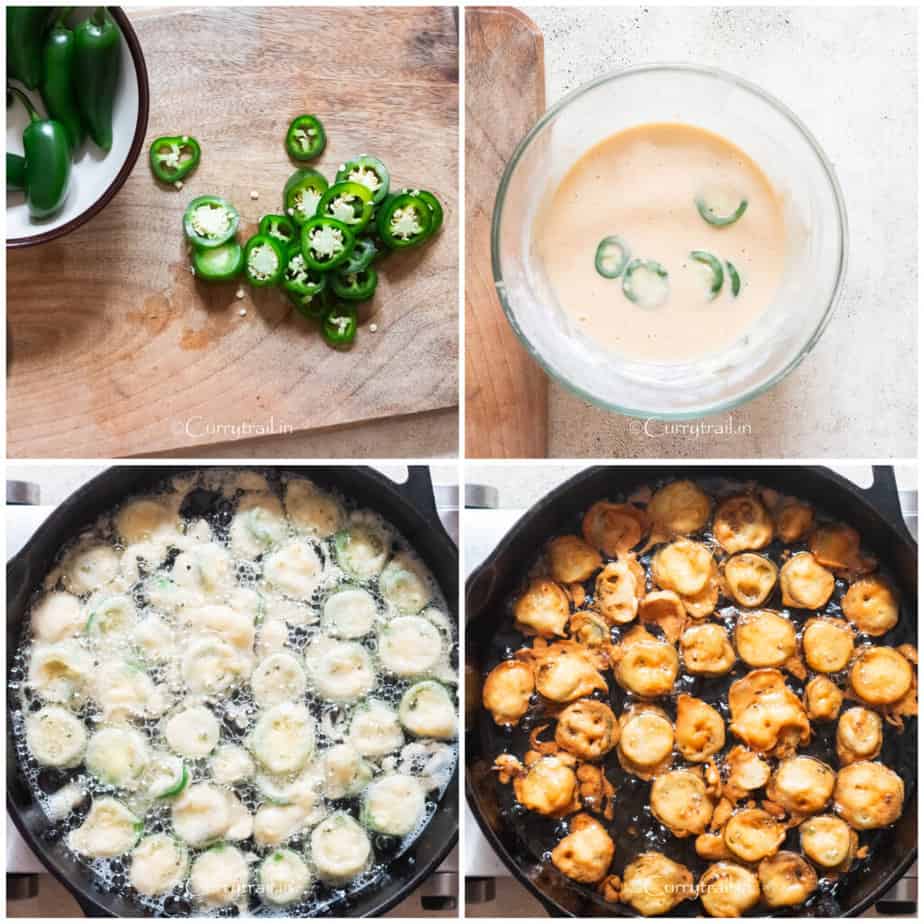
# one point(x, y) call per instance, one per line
point(115, 349)
point(506, 393)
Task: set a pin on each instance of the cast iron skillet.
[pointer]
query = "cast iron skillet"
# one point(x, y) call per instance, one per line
point(874, 512)
point(409, 506)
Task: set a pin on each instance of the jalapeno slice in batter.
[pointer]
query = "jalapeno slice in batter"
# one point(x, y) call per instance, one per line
point(264, 261)
point(298, 278)
point(709, 214)
point(348, 202)
point(644, 282)
point(715, 266)
point(209, 221)
point(355, 287)
point(306, 138)
point(368, 171)
point(734, 277)
point(302, 193)
point(612, 257)
point(326, 243)
point(404, 221)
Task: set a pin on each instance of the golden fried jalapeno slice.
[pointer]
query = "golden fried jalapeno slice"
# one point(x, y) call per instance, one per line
point(683, 566)
point(586, 852)
point(786, 879)
point(565, 673)
point(753, 834)
point(823, 699)
point(750, 578)
point(868, 795)
point(700, 729)
point(727, 890)
point(871, 605)
point(765, 714)
point(880, 675)
point(507, 691)
point(742, 523)
point(653, 884)
point(859, 735)
point(616, 593)
point(701, 605)
point(647, 666)
point(549, 787)
point(589, 628)
point(571, 560)
point(678, 509)
point(828, 841)
point(837, 546)
point(793, 521)
point(665, 609)
point(543, 609)
point(805, 583)
point(747, 771)
point(706, 650)
point(827, 644)
point(680, 802)
point(587, 729)
point(614, 528)
point(802, 785)
point(765, 639)
point(646, 741)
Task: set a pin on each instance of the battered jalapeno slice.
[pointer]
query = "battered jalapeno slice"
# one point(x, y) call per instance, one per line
point(644, 283)
point(612, 257)
point(712, 214)
point(298, 278)
point(348, 202)
point(715, 268)
point(306, 139)
point(302, 193)
point(370, 172)
point(734, 278)
point(210, 221)
point(280, 227)
point(404, 221)
point(356, 287)
point(264, 261)
point(326, 243)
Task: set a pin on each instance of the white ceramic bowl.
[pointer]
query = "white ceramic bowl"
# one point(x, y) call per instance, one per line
point(796, 166)
point(96, 176)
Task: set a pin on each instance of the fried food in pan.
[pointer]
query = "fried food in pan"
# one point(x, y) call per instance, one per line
point(586, 852)
point(871, 605)
point(805, 583)
point(786, 879)
point(653, 884)
point(572, 560)
point(827, 644)
point(543, 609)
point(699, 729)
point(750, 578)
point(742, 524)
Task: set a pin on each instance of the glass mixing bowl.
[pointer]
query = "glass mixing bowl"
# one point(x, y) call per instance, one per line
point(794, 163)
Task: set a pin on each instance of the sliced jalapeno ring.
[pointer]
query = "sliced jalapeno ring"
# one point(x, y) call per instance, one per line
point(715, 266)
point(370, 172)
point(404, 221)
point(339, 327)
point(365, 250)
point(436, 210)
point(218, 264)
point(306, 138)
point(313, 307)
point(174, 157)
point(326, 243)
point(612, 257)
point(302, 193)
point(355, 287)
point(280, 227)
point(708, 213)
point(298, 278)
point(264, 261)
point(644, 282)
point(209, 221)
point(348, 202)
point(734, 277)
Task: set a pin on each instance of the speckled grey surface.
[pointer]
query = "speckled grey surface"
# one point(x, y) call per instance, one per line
point(851, 75)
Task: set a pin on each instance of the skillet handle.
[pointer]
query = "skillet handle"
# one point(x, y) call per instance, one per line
point(418, 490)
point(883, 494)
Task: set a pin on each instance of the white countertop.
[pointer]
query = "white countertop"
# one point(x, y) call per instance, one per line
point(850, 73)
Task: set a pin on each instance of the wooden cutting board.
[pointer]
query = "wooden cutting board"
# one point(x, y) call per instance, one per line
point(506, 393)
point(115, 349)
